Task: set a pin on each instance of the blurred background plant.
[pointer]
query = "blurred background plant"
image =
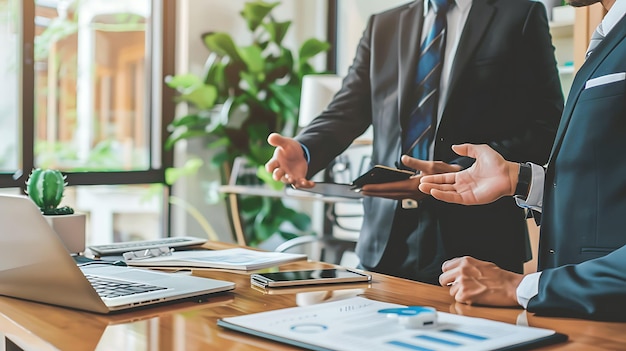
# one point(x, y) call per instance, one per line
point(245, 93)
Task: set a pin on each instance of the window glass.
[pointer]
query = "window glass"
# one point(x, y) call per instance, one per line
point(118, 212)
point(10, 70)
point(91, 103)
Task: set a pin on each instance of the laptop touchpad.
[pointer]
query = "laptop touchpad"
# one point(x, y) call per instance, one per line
point(121, 273)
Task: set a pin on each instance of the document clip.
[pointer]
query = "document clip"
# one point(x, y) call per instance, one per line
point(148, 253)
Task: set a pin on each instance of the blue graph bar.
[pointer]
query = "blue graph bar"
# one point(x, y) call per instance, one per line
point(408, 346)
point(466, 335)
point(438, 340)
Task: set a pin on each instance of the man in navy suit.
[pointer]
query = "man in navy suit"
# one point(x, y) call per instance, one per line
point(499, 85)
point(582, 250)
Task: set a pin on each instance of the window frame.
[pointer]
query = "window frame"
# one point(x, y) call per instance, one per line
point(164, 19)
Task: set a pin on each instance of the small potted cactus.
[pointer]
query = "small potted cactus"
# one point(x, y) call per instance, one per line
point(45, 187)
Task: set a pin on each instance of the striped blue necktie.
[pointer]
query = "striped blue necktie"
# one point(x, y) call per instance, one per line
point(420, 129)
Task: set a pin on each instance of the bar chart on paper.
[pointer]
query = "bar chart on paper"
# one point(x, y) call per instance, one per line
point(357, 324)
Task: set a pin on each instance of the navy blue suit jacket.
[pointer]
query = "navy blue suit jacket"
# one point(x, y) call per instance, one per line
point(583, 224)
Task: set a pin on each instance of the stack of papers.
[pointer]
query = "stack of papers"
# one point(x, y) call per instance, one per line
point(238, 259)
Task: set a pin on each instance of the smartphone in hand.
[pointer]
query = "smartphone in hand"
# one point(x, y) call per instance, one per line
point(381, 174)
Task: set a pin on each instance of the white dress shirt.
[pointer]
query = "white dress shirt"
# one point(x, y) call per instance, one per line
point(529, 287)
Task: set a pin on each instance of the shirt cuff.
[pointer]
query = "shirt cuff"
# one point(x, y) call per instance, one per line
point(307, 154)
point(534, 200)
point(528, 288)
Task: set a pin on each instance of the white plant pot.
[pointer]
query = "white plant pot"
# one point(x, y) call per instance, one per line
point(71, 230)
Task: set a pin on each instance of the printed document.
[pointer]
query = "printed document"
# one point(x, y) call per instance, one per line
point(356, 324)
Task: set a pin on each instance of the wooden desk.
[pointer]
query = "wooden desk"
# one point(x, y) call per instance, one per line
point(192, 326)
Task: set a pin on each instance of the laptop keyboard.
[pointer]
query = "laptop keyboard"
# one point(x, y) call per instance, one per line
point(109, 288)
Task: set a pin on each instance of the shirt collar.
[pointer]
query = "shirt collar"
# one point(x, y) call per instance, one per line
point(463, 5)
point(616, 13)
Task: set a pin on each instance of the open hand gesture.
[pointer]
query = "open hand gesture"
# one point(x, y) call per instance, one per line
point(488, 179)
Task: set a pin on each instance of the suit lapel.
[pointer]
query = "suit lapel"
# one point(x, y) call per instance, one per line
point(584, 74)
point(477, 23)
point(411, 21)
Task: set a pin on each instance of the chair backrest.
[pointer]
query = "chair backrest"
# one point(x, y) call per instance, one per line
point(346, 218)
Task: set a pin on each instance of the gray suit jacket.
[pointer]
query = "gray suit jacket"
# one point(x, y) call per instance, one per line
point(504, 91)
point(584, 207)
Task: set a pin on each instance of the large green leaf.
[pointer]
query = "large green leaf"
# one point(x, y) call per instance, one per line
point(261, 154)
point(182, 81)
point(219, 159)
point(250, 205)
point(300, 221)
point(266, 177)
point(288, 95)
point(202, 97)
point(253, 57)
point(287, 235)
point(277, 30)
point(305, 68)
point(252, 82)
point(255, 11)
point(185, 121)
point(222, 44)
point(190, 167)
point(220, 142)
point(311, 48)
point(279, 66)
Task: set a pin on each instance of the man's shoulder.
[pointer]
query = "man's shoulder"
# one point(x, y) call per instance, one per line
point(396, 11)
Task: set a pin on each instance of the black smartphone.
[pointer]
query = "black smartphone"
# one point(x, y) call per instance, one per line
point(381, 174)
point(308, 277)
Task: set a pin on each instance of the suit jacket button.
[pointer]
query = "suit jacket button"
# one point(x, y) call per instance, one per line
point(551, 251)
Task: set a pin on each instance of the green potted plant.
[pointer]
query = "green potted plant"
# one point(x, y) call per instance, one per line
point(46, 187)
point(246, 93)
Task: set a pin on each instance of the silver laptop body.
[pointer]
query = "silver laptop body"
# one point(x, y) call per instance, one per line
point(34, 265)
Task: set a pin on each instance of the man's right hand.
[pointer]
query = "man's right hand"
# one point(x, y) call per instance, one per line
point(288, 164)
point(488, 179)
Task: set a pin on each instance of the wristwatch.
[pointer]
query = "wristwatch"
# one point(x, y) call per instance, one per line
point(524, 178)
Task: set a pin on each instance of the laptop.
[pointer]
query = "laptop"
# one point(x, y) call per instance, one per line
point(35, 265)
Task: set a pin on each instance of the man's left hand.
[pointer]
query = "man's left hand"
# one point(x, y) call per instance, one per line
point(476, 282)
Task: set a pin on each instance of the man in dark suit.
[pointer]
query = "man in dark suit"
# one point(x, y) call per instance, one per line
point(499, 85)
point(582, 252)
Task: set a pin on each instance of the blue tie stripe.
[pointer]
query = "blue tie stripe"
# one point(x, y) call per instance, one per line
point(419, 131)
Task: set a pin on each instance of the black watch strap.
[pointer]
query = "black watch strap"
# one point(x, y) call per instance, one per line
point(524, 178)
